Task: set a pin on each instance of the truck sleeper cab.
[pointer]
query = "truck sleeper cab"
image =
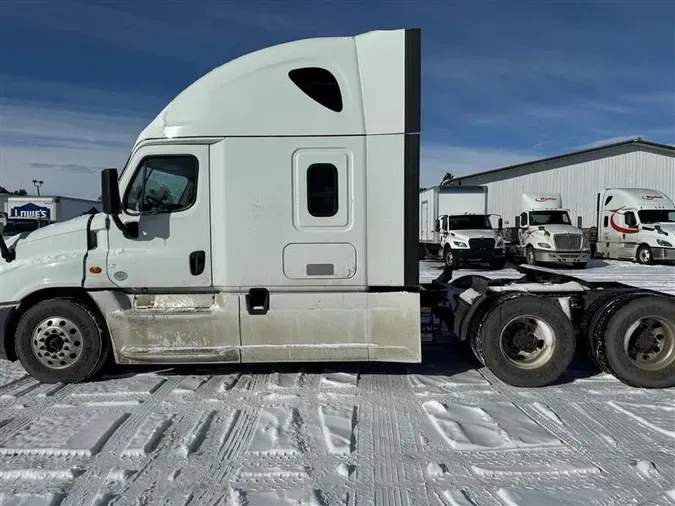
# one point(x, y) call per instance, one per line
point(636, 224)
point(315, 166)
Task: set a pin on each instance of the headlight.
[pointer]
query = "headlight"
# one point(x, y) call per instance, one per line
point(460, 244)
point(661, 242)
point(544, 245)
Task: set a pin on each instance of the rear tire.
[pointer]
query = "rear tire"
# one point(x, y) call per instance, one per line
point(62, 341)
point(526, 357)
point(639, 343)
point(579, 265)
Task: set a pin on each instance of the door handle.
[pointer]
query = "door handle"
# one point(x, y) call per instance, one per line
point(197, 262)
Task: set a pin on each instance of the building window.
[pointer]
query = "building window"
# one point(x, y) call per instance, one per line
point(163, 184)
point(320, 85)
point(322, 190)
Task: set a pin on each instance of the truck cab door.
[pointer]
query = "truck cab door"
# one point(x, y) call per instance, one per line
point(165, 202)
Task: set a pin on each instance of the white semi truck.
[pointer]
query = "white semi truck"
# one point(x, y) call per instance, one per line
point(544, 233)
point(454, 221)
point(160, 277)
point(636, 224)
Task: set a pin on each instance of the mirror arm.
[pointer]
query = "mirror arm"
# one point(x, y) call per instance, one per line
point(127, 232)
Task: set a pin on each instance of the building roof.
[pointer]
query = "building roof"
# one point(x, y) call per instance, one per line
point(635, 142)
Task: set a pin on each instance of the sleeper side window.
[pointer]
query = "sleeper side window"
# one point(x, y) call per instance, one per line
point(320, 85)
point(605, 221)
point(322, 190)
point(163, 184)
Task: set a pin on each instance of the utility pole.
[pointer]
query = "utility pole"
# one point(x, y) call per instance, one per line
point(37, 185)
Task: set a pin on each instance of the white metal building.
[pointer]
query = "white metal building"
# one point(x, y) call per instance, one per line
point(579, 177)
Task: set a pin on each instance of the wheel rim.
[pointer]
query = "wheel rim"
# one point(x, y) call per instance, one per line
point(530, 256)
point(527, 341)
point(649, 343)
point(449, 259)
point(644, 255)
point(56, 342)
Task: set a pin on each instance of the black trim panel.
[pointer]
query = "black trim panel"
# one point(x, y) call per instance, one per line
point(5, 315)
point(411, 210)
point(413, 81)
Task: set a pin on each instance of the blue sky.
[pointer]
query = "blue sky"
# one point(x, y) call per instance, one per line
point(503, 81)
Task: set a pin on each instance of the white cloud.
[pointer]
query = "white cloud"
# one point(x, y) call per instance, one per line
point(437, 159)
point(65, 149)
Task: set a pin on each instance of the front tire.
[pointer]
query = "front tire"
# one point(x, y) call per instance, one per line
point(449, 258)
point(644, 255)
point(526, 341)
point(529, 256)
point(61, 341)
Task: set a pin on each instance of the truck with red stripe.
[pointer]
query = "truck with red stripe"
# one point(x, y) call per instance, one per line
point(636, 224)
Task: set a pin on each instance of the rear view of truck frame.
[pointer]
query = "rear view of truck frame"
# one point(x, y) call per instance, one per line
point(308, 154)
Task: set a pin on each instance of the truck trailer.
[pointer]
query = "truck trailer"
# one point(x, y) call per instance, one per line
point(454, 221)
point(27, 213)
point(636, 224)
point(160, 277)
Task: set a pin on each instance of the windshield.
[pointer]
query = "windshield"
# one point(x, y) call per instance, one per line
point(15, 227)
point(469, 222)
point(657, 216)
point(549, 218)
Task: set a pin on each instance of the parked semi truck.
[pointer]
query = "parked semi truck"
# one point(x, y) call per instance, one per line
point(159, 276)
point(454, 222)
point(636, 224)
point(544, 233)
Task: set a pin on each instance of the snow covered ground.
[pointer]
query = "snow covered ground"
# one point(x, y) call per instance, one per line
point(443, 433)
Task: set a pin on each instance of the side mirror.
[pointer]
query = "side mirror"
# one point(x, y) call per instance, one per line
point(110, 192)
point(579, 222)
point(437, 226)
point(500, 223)
point(3, 221)
point(517, 221)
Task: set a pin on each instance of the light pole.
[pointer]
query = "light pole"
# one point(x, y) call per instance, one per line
point(37, 185)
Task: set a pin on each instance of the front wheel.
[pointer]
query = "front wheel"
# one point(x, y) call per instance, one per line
point(449, 258)
point(61, 341)
point(644, 255)
point(529, 256)
point(526, 341)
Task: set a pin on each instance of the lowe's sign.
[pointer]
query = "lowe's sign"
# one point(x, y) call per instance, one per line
point(30, 210)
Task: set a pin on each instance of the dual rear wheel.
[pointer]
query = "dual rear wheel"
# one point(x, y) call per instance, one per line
point(529, 341)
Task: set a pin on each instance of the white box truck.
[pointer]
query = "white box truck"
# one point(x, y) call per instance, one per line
point(160, 276)
point(636, 224)
point(454, 221)
point(544, 233)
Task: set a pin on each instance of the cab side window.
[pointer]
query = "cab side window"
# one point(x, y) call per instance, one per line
point(629, 219)
point(163, 184)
